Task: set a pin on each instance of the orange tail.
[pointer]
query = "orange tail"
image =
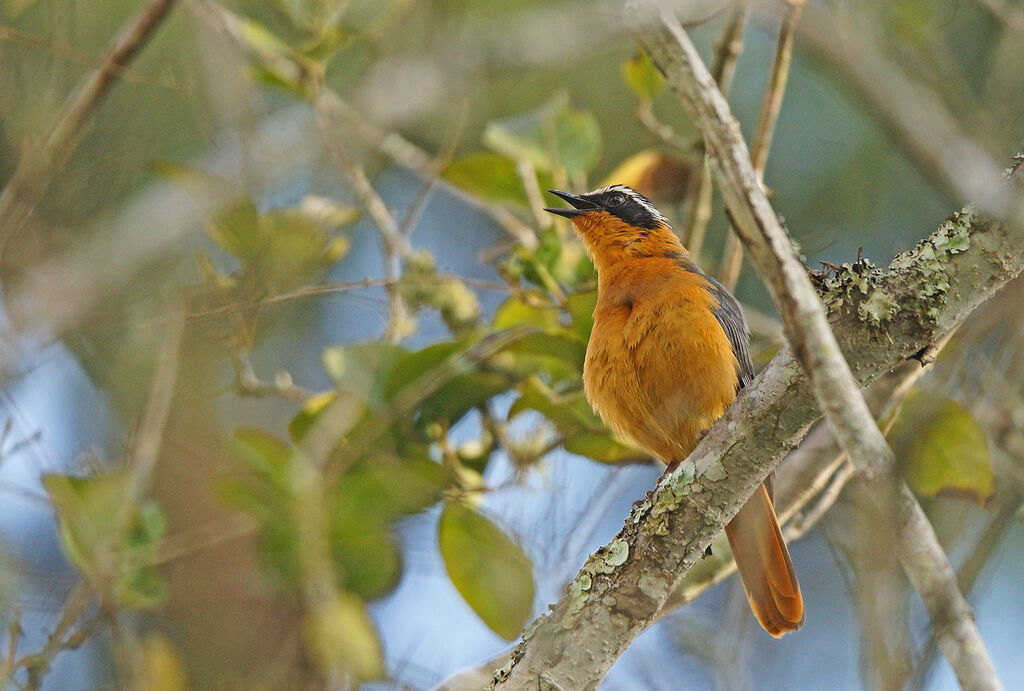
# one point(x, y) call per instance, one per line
point(764, 565)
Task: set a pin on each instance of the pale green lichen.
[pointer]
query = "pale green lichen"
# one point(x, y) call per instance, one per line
point(669, 496)
point(579, 592)
point(618, 552)
point(858, 285)
point(640, 510)
point(715, 471)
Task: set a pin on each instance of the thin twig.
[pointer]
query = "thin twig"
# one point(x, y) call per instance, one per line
point(805, 522)
point(967, 574)
point(943, 150)
point(815, 345)
point(38, 664)
point(395, 245)
point(151, 431)
point(38, 166)
point(727, 52)
point(732, 257)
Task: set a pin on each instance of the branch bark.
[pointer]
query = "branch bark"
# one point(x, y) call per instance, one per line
point(880, 318)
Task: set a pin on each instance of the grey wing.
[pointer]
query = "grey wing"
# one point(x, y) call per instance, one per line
point(730, 316)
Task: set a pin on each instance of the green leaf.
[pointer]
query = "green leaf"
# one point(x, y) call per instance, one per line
point(341, 636)
point(491, 572)
point(570, 412)
point(89, 515)
point(262, 451)
point(368, 558)
point(462, 394)
point(581, 310)
point(304, 419)
point(237, 229)
point(578, 137)
point(559, 355)
point(942, 449)
point(555, 134)
point(642, 77)
point(488, 176)
point(515, 311)
point(364, 369)
point(603, 448)
point(295, 249)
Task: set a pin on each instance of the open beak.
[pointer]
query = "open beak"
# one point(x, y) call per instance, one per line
point(581, 205)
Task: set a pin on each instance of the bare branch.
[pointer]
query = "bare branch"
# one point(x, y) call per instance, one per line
point(727, 51)
point(732, 257)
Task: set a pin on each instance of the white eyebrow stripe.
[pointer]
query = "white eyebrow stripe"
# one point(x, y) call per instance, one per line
point(635, 196)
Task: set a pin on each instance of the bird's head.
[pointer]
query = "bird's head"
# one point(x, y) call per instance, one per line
point(617, 222)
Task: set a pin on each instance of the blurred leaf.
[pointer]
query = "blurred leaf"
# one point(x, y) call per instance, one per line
point(913, 21)
point(341, 636)
point(237, 229)
point(369, 558)
point(578, 136)
point(642, 77)
point(462, 394)
point(556, 133)
point(491, 572)
point(515, 311)
point(581, 310)
point(385, 489)
point(325, 44)
point(559, 355)
point(262, 451)
point(162, 668)
point(364, 369)
point(942, 448)
point(304, 419)
point(602, 447)
point(89, 515)
point(488, 176)
point(295, 249)
point(570, 412)
point(15, 7)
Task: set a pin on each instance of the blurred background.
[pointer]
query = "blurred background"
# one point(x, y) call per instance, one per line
point(291, 356)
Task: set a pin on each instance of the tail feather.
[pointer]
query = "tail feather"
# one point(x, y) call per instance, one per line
point(765, 566)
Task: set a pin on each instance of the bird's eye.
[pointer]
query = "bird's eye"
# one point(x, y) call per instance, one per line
point(616, 199)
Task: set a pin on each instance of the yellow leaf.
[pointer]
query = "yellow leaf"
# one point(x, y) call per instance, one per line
point(942, 448)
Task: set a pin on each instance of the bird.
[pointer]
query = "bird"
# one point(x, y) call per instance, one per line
point(668, 353)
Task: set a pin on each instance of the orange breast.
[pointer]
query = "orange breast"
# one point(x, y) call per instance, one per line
point(659, 367)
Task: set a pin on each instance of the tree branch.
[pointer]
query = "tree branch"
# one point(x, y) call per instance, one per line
point(880, 318)
point(732, 257)
point(811, 337)
point(37, 167)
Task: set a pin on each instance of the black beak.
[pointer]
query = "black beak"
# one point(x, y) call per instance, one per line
point(582, 205)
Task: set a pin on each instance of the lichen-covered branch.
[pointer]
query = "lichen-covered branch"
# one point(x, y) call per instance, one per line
point(811, 338)
point(879, 317)
point(931, 287)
